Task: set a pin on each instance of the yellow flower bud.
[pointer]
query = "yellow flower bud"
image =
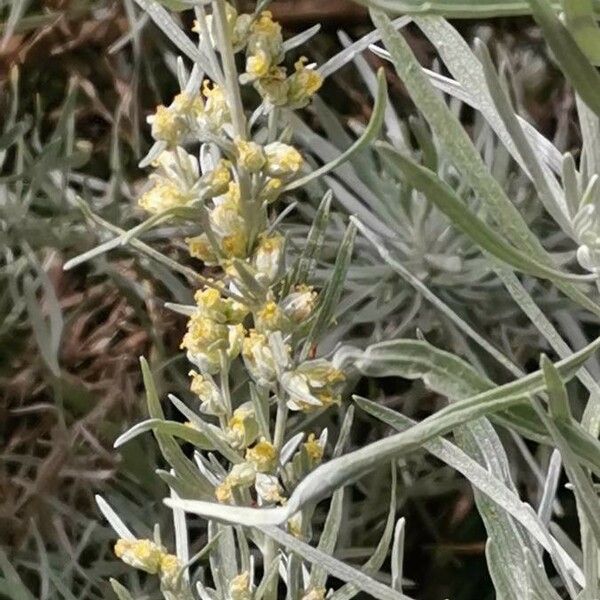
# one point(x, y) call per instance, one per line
point(141, 554)
point(216, 110)
point(167, 125)
point(242, 428)
point(314, 594)
point(268, 488)
point(250, 155)
point(223, 492)
point(283, 161)
point(271, 190)
point(170, 568)
point(258, 65)
point(314, 449)
point(163, 195)
point(300, 304)
point(239, 588)
point(258, 358)
point(268, 257)
point(273, 87)
point(208, 393)
point(199, 247)
point(263, 456)
point(270, 317)
point(216, 182)
point(303, 84)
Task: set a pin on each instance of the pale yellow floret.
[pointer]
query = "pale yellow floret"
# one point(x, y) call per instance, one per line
point(258, 65)
point(274, 86)
point(170, 569)
point(199, 247)
point(300, 304)
point(283, 160)
point(263, 456)
point(317, 593)
point(223, 492)
point(265, 25)
point(242, 428)
point(250, 155)
point(141, 554)
point(217, 181)
point(163, 195)
point(239, 587)
point(271, 190)
point(216, 110)
point(167, 126)
point(268, 256)
point(303, 84)
point(270, 317)
point(313, 448)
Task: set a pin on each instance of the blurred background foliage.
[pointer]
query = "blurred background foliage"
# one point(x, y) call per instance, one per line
point(77, 79)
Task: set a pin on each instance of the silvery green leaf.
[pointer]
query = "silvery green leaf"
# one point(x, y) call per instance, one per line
point(540, 587)
point(484, 481)
point(166, 23)
point(339, 471)
point(391, 121)
point(574, 64)
point(314, 242)
point(584, 491)
point(260, 401)
point(301, 38)
point(290, 447)
point(333, 566)
point(455, 9)
point(121, 591)
point(337, 61)
point(113, 518)
point(440, 194)
point(461, 152)
point(550, 488)
point(369, 134)
point(344, 433)
point(589, 123)
point(397, 559)
point(213, 436)
point(330, 296)
point(269, 577)
point(168, 446)
point(504, 585)
point(155, 151)
point(183, 309)
point(544, 181)
point(173, 428)
point(328, 538)
point(380, 553)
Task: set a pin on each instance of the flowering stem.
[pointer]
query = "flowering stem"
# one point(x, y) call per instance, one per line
point(236, 107)
point(224, 380)
point(280, 423)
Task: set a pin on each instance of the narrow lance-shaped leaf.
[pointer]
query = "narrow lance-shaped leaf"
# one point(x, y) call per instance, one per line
point(460, 150)
point(574, 63)
point(353, 465)
point(368, 135)
point(580, 19)
point(485, 482)
point(168, 446)
point(457, 9)
point(446, 200)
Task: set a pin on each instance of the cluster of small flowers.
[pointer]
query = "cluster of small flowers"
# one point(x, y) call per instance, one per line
point(154, 559)
point(248, 311)
point(262, 40)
